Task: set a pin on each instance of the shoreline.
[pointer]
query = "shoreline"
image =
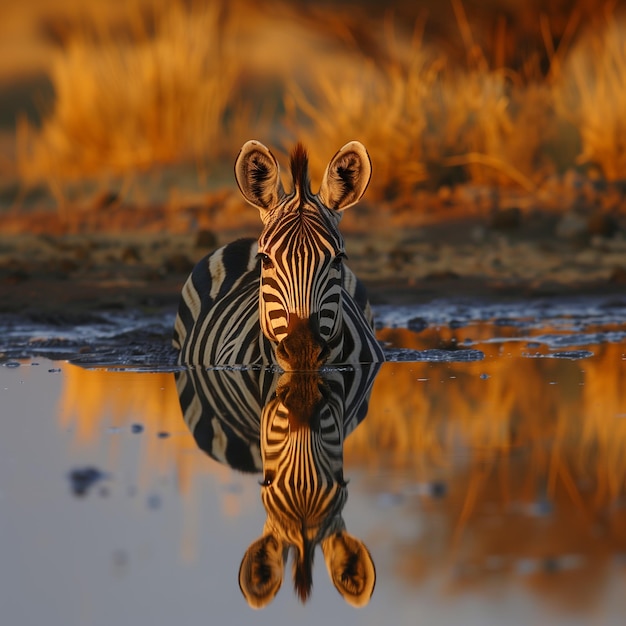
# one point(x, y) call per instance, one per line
point(506, 255)
point(65, 296)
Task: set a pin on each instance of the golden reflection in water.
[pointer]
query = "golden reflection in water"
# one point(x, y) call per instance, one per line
point(98, 406)
point(531, 454)
point(95, 402)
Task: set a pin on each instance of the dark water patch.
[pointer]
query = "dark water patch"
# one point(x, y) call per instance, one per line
point(120, 338)
point(572, 355)
point(416, 324)
point(62, 336)
point(581, 339)
point(83, 479)
point(454, 324)
point(147, 355)
point(434, 355)
point(556, 341)
point(533, 344)
point(66, 319)
point(575, 314)
point(511, 322)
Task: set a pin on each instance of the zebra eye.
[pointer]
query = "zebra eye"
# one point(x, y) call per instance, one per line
point(268, 479)
point(265, 260)
point(338, 260)
point(340, 479)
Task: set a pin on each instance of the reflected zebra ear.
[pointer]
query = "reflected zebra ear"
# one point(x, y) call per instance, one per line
point(258, 176)
point(261, 571)
point(346, 178)
point(350, 567)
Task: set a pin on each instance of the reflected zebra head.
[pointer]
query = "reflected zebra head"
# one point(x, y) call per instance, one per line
point(290, 427)
point(301, 250)
point(304, 492)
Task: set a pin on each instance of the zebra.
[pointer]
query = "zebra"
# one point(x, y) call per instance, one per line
point(286, 299)
point(290, 426)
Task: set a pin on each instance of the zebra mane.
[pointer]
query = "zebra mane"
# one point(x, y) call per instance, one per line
point(299, 164)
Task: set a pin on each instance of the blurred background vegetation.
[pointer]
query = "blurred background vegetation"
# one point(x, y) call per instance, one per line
point(102, 99)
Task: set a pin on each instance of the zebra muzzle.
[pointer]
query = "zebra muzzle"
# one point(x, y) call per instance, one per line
point(303, 348)
point(302, 394)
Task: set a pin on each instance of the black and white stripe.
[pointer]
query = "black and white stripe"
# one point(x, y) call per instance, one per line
point(223, 408)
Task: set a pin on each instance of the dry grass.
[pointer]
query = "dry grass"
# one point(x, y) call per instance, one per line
point(383, 107)
point(492, 123)
point(591, 94)
point(193, 80)
point(124, 104)
point(422, 116)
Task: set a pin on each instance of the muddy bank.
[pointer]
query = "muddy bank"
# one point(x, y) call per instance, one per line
point(505, 255)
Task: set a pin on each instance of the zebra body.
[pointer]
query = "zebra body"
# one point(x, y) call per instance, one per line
point(291, 427)
point(286, 298)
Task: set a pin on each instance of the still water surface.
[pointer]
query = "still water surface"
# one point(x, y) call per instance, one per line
point(488, 481)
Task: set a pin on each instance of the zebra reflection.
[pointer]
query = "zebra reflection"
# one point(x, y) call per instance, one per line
point(291, 427)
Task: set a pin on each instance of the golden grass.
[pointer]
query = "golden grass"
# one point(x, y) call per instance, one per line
point(421, 115)
point(383, 108)
point(131, 102)
point(592, 95)
point(191, 81)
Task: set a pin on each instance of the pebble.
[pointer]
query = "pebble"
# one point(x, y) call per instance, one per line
point(83, 478)
point(154, 501)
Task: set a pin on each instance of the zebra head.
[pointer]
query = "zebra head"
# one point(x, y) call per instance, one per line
point(301, 250)
point(304, 492)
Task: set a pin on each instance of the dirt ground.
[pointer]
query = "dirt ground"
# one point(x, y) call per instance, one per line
point(121, 257)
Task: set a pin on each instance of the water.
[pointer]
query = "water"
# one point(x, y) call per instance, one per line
point(488, 479)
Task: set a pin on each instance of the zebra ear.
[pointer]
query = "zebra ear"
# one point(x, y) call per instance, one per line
point(261, 571)
point(258, 176)
point(350, 567)
point(347, 176)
